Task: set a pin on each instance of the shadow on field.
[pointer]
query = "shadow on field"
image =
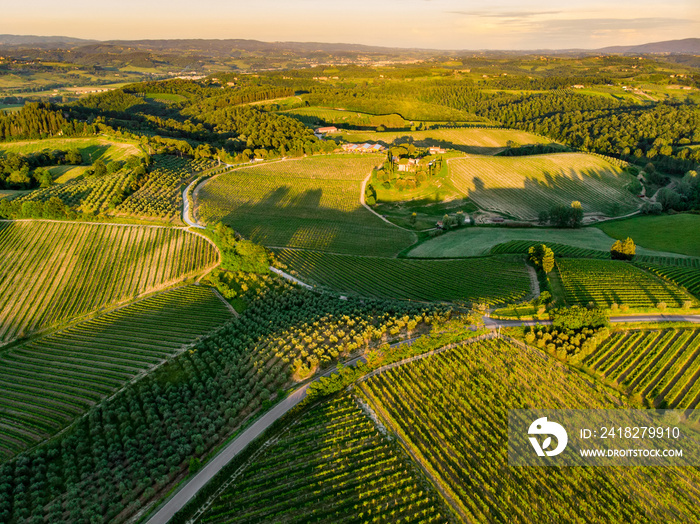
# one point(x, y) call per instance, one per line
point(589, 186)
point(283, 218)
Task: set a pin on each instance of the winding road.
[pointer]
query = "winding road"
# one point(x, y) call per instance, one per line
point(186, 217)
point(178, 500)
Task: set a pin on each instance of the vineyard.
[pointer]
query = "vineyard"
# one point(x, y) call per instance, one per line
point(607, 282)
point(111, 463)
point(46, 383)
point(450, 410)
point(682, 270)
point(466, 139)
point(686, 276)
point(333, 465)
point(521, 247)
point(484, 280)
point(87, 194)
point(54, 271)
point(161, 195)
point(661, 366)
point(313, 203)
point(524, 186)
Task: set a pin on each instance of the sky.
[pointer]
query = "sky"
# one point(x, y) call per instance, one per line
point(436, 24)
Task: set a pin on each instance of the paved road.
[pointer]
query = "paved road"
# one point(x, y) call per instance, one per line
point(186, 209)
point(494, 323)
point(189, 490)
point(289, 277)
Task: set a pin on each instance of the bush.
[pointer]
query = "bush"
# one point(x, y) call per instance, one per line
point(661, 306)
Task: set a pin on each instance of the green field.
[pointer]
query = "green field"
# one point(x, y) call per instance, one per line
point(315, 116)
point(56, 271)
point(661, 366)
point(607, 282)
point(468, 140)
point(675, 233)
point(47, 382)
point(476, 241)
point(522, 187)
point(450, 411)
point(91, 149)
point(63, 174)
point(484, 280)
point(333, 465)
point(312, 203)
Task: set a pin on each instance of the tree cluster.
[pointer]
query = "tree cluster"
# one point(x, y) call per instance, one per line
point(542, 257)
point(623, 249)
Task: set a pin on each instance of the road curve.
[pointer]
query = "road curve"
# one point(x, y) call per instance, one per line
point(192, 487)
point(186, 208)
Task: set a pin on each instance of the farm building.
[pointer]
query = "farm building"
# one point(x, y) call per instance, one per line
point(326, 130)
point(437, 151)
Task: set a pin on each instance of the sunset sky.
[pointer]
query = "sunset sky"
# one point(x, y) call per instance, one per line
point(440, 24)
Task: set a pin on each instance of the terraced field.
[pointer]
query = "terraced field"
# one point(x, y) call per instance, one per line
point(467, 139)
point(523, 186)
point(661, 366)
point(604, 282)
point(334, 465)
point(46, 383)
point(488, 280)
point(450, 410)
point(312, 203)
point(53, 271)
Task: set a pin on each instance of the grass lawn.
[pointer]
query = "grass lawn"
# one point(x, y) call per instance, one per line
point(475, 241)
point(63, 174)
point(674, 233)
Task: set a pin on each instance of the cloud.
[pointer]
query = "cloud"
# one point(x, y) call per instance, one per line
point(506, 14)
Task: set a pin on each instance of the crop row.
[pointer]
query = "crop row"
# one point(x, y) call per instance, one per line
point(55, 270)
point(688, 277)
point(560, 250)
point(47, 382)
point(451, 411)
point(334, 466)
point(604, 283)
point(485, 280)
point(161, 195)
point(663, 366)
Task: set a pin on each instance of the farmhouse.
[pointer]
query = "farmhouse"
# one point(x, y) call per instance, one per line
point(325, 130)
point(437, 151)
